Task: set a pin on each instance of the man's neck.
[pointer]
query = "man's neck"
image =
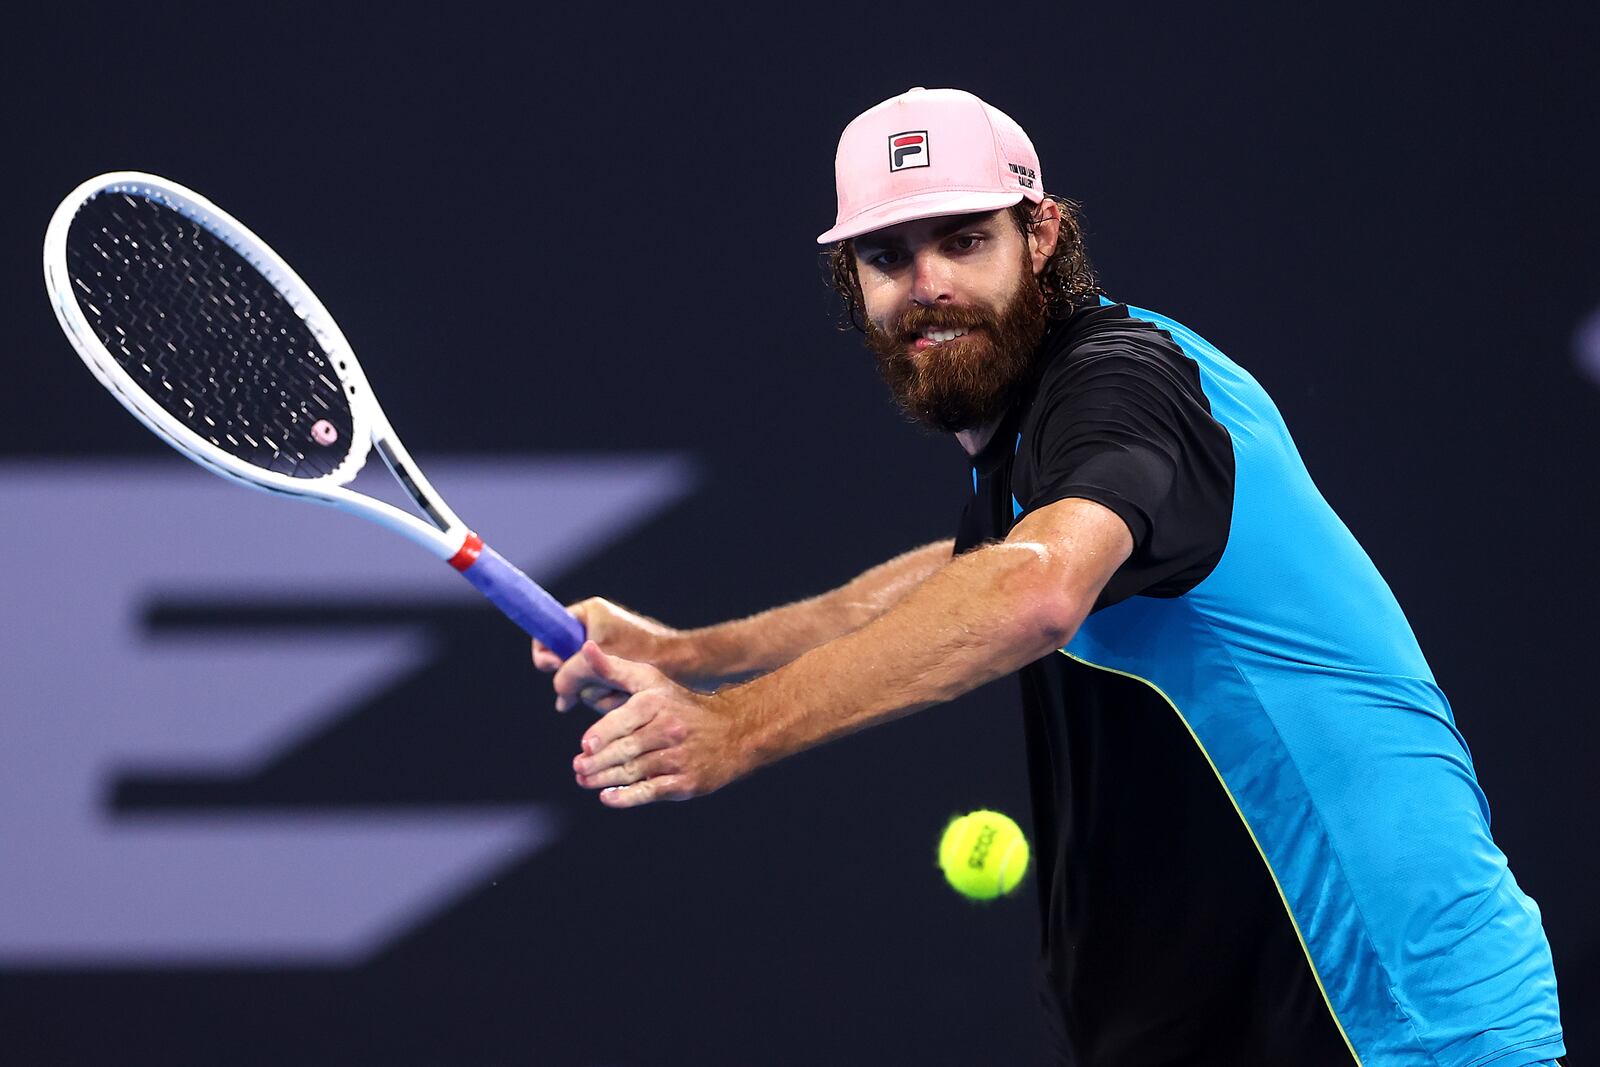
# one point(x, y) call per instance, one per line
point(975, 440)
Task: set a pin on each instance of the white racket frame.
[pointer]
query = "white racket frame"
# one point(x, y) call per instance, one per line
point(444, 536)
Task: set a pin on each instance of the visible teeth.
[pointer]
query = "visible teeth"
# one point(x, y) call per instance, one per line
point(941, 336)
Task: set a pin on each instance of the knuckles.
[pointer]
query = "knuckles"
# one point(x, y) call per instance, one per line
point(673, 728)
point(592, 612)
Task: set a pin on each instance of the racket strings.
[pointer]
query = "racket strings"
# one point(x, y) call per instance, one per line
point(207, 337)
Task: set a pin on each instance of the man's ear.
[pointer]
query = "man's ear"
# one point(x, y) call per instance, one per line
point(1044, 233)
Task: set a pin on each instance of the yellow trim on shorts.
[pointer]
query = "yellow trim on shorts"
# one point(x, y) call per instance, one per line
point(1315, 974)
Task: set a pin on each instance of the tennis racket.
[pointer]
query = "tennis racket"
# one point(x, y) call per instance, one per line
point(214, 342)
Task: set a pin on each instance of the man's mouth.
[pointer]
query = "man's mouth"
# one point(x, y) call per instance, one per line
point(928, 338)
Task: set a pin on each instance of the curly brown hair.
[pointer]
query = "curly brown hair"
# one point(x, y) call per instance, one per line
point(1068, 276)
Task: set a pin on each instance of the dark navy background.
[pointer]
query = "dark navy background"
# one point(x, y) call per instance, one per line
point(592, 230)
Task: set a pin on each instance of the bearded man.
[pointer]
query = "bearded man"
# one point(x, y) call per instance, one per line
point(1260, 838)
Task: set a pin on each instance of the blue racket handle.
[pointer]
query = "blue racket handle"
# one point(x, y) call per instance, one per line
point(519, 597)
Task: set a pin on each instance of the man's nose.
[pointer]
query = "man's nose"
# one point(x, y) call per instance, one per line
point(930, 279)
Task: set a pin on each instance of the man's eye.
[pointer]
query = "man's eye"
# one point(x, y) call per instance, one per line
point(966, 242)
point(883, 260)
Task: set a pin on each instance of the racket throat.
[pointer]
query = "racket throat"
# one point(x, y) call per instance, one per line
point(400, 466)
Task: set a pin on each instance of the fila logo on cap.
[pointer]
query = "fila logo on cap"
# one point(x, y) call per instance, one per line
point(907, 150)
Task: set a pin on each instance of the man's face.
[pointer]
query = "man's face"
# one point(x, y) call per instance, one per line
point(954, 315)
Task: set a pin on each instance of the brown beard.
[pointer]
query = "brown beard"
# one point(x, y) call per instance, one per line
point(968, 382)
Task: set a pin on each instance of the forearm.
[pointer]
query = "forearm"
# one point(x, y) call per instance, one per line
point(772, 638)
point(982, 616)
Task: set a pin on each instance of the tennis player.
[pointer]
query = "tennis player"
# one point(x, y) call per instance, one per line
point(1260, 838)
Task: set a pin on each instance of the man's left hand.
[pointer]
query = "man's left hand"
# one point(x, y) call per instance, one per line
point(664, 742)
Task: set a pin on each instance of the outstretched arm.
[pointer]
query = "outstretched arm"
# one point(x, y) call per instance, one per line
point(982, 615)
point(773, 638)
point(759, 642)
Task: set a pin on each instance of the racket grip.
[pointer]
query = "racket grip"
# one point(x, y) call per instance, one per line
point(519, 597)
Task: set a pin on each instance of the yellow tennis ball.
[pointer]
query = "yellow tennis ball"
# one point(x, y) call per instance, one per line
point(983, 854)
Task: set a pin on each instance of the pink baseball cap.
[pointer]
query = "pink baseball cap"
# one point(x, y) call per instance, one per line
point(930, 152)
